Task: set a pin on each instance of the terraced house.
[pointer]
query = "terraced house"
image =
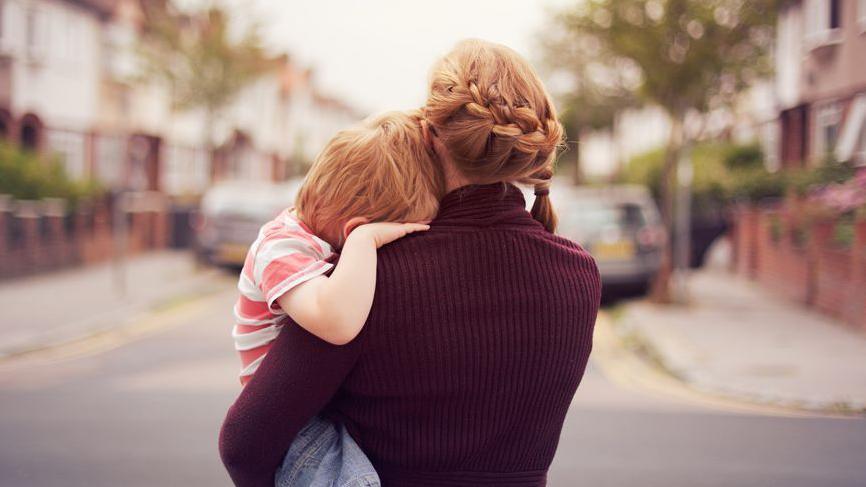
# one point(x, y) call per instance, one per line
point(70, 87)
point(821, 81)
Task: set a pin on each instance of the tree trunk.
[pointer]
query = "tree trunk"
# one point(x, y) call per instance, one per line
point(660, 291)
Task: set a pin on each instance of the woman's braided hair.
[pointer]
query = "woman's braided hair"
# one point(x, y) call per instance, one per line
point(492, 114)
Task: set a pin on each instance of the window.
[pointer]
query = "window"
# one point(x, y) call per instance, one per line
point(835, 14)
point(823, 22)
point(852, 136)
point(35, 33)
point(826, 132)
point(70, 147)
point(861, 15)
point(860, 154)
point(109, 162)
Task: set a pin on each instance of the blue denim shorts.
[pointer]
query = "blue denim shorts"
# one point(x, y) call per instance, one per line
point(325, 455)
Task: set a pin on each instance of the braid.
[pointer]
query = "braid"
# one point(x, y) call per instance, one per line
point(495, 119)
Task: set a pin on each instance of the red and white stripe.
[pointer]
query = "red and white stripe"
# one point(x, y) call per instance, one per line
point(284, 255)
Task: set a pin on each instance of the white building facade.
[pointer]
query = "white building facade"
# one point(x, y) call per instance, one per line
point(70, 87)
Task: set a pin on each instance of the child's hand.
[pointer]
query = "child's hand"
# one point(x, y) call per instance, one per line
point(386, 232)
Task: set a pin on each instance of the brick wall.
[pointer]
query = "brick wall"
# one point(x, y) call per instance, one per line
point(40, 236)
point(797, 257)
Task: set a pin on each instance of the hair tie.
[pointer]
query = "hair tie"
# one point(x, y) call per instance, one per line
point(542, 191)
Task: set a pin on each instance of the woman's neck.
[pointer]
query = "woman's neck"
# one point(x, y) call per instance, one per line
point(453, 177)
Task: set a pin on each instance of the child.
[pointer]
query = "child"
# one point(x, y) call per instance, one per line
point(366, 179)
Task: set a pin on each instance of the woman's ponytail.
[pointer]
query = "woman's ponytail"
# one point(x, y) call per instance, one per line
point(542, 208)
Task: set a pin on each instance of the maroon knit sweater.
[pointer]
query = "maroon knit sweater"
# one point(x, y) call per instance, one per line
point(478, 338)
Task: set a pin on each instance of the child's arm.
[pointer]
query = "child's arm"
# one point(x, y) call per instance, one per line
point(335, 308)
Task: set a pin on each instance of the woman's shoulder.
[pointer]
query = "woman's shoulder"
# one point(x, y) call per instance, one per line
point(444, 247)
point(568, 256)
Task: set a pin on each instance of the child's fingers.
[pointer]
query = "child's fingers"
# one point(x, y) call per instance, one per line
point(415, 227)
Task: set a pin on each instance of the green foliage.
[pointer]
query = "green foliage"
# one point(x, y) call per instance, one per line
point(679, 54)
point(709, 161)
point(644, 169)
point(726, 172)
point(746, 178)
point(749, 156)
point(831, 172)
point(196, 55)
point(844, 232)
point(24, 175)
point(755, 184)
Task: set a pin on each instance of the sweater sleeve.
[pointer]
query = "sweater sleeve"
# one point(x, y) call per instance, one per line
point(296, 380)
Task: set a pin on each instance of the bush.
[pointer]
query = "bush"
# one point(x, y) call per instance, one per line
point(756, 184)
point(25, 175)
point(803, 181)
point(711, 161)
point(744, 157)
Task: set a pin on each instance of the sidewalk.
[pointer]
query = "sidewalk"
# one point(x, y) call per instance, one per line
point(46, 310)
point(737, 340)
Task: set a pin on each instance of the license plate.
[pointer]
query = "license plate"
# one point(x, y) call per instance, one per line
point(232, 253)
point(619, 250)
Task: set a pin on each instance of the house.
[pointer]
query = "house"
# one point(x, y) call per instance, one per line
point(278, 124)
point(70, 86)
point(821, 81)
point(51, 55)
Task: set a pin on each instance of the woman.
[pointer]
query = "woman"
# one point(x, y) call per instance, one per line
point(481, 327)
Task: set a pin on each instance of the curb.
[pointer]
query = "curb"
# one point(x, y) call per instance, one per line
point(629, 359)
point(138, 322)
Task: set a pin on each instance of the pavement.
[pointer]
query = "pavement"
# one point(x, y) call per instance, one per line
point(736, 340)
point(136, 398)
point(54, 309)
point(143, 409)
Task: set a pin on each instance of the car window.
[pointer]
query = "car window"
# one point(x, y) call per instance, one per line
point(631, 215)
point(594, 217)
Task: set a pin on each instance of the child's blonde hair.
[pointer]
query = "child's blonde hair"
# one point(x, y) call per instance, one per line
point(493, 115)
point(382, 170)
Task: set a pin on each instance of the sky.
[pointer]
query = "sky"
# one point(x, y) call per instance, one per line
point(376, 54)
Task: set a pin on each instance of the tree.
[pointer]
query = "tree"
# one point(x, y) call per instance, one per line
point(685, 56)
point(593, 96)
point(195, 54)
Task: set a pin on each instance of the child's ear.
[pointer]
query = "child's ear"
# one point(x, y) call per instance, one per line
point(352, 224)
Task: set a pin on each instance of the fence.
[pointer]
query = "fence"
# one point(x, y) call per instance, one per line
point(37, 236)
point(803, 257)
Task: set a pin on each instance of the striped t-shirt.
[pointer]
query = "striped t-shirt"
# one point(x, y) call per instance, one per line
point(284, 255)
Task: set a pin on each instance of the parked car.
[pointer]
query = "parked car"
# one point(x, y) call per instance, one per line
point(619, 225)
point(231, 214)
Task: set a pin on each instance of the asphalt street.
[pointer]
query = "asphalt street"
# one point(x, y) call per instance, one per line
point(143, 408)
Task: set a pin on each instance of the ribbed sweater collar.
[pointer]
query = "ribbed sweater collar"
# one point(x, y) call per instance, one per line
point(484, 205)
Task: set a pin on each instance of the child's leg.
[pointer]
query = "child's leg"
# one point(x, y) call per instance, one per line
point(356, 470)
point(324, 455)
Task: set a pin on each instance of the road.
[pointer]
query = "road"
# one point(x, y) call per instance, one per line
point(143, 408)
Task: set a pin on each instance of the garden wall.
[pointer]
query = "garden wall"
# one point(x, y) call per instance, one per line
point(819, 261)
point(39, 236)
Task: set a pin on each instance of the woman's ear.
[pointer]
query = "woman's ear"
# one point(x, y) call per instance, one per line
point(352, 224)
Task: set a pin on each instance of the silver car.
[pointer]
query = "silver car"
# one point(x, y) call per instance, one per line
point(619, 225)
point(231, 215)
